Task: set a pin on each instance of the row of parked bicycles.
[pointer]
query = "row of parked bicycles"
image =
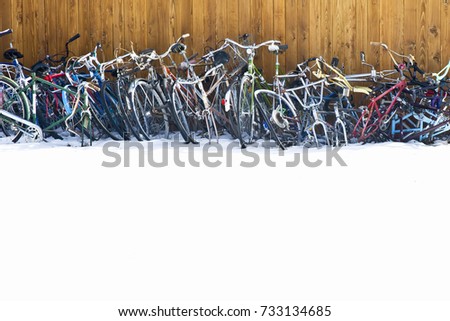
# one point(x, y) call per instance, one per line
point(150, 95)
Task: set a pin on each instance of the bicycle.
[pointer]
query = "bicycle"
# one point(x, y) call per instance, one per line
point(250, 122)
point(375, 118)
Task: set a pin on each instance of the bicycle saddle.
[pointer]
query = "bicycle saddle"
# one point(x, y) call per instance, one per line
point(12, 54)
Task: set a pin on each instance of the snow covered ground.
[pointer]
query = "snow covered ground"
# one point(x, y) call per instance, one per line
point(81, 231)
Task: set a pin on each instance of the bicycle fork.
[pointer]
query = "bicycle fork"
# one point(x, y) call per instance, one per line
point(319, 123)
point(208, 116)
point(339, 123)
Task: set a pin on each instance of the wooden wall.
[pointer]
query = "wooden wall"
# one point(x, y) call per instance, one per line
point(311, 27)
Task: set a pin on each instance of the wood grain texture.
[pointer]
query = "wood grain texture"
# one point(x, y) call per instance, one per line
point(327, 28)
point(445, 33)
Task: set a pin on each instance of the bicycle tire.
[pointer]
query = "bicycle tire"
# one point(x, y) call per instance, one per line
point(122, 87)
point(280, 118)
point(16, 103)
point(246, 112)
point(178, 115)
point(110, 102)
point(225, 103)
point(148, 110)
point(99, 115)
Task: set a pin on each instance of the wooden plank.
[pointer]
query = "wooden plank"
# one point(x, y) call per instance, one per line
point(373, 32)
point(143, 27)
point(221, 20)
point(72, 20)
point(118, 24)
point(177, 12)
point(129, 24)
point(245, 23)
point(392, 32)
point(257, 20)
point(139, 37)
point(209, 22)
point(361, 39)
point(349, 51)
point(421, 55)
point(303, 45)
point(185, 16)
point(107, 28)
point(265, 59)
point(198, 24)
point(325, 24)
point(233, 19)
point(291, 34)
point(6, 14)
point(17, 25)
point(53, 27)
point(336, 37)
point(315, 46)
point(433, 29)
point(30, 47)
point(86, 44)
point(445, 33)
point(5, 23)
point(411, 14)
point(279, 29)
point(256, 30)
point(60, 29)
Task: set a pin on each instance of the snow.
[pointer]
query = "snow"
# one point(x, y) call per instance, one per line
point(370, 238)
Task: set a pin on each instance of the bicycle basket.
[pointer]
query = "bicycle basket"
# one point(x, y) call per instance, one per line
point(8, 70)
point(221, 57)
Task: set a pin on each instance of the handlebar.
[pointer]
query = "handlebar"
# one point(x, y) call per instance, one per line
point(154, 55)
point(391, 52)
point(253, 47)
point(107, 64)
point(89, 60)
point(62, 60)
point(440, 76)
point(5, 32)
point(337, 78)
point(75, 37)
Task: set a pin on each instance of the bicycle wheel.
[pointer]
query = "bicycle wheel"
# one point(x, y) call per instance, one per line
point(122, 86)
point(246, 112)
point(280, 118)
point(50, 112)
point(14, 102)
point(178, 106)
point(99, 115)
point(110, 102)
point(148, 110)
point(224, 103)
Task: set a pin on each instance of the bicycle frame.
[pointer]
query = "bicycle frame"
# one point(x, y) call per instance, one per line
point(370, 127)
